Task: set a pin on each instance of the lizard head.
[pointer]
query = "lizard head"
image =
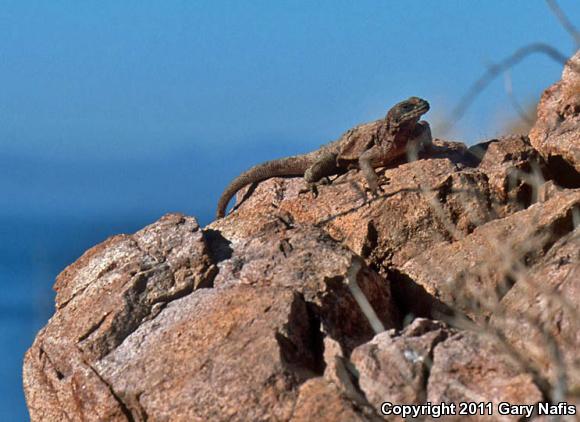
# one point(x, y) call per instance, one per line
point(408, 111)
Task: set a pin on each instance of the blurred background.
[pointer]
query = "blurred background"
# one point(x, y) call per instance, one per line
point(115, 113)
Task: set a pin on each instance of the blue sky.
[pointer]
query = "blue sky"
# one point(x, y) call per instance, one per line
point(106, 79)
point(113, 113)
point(111, 107)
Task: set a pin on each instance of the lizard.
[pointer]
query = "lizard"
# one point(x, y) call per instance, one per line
point(366, 147)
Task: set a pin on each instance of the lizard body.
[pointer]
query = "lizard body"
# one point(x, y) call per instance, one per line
point(366, 147)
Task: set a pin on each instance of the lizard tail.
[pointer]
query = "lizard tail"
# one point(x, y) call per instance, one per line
point(289, 166)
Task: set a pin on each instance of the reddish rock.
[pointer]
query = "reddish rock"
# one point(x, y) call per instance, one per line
point(515, 171)
point(556, 133)
point(320, 400)
point(307, 260)
point(472, 275)
point(239, 350)
point(542, 310)
point(101, 299)
point(471, 368)
point(220, 354)
point(395, 367)
point(431, 363)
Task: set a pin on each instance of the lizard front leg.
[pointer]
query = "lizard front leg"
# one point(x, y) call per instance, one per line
point(423, 135)
point(365, 163)
point(420, 140)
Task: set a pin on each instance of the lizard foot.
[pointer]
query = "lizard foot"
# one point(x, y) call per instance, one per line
point(377, 192)
point(312, 188)
point(373, 183)
point(376, 187)
point(383, 180)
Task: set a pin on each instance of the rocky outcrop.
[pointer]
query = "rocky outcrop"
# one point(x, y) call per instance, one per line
point(474, 273)
point(556, 133)
point(543, 310)
point(101, 300)
point(458, 282)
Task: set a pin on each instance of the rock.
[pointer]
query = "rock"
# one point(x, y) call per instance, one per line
point(220, 354)
point(307, 260)
point(239, 350)
point(542, 309)
point(320, 400)
point(101, 299)
point(515, 170)
point(556, 133)
point(429, 362)
point(473, 274)
point(395, 368)
point(471, 368)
